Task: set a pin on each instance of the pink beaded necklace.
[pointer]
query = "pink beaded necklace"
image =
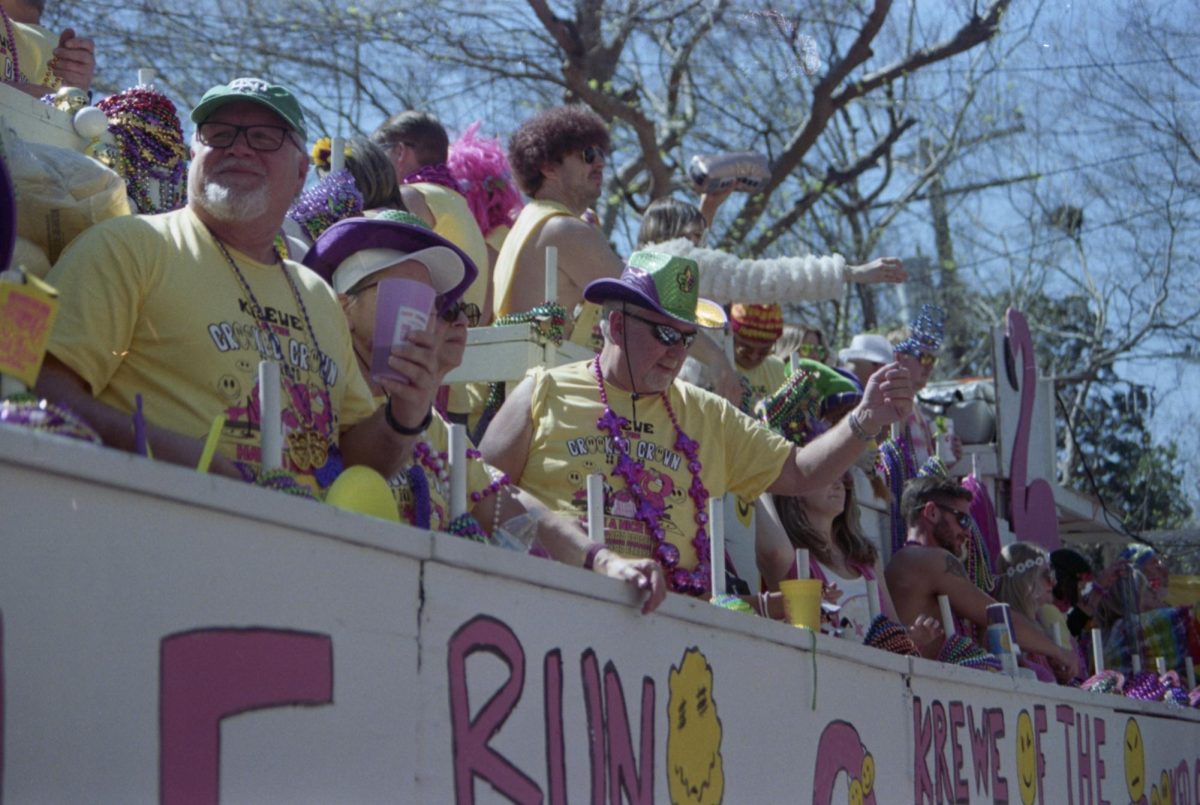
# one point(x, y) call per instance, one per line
point(695, 582)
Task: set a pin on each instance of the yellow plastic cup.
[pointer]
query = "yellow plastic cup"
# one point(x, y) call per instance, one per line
point(802, 602)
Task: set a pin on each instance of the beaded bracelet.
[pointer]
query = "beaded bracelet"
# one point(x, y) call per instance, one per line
point(401, 429)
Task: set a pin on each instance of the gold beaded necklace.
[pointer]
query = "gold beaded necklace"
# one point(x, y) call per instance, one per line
point(308, 449)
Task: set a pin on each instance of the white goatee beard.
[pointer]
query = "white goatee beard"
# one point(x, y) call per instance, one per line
point(224, 204)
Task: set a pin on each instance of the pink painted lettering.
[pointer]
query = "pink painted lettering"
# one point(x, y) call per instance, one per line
point(995, 720)
point(922, 737)
point(1083, 740)
point(595, 721)
point(941, 772)
point(962, 793)
point(208, 675)
point(1065, 715)
point(979, 749)
point(472, 755)
point(622, 770)
point(556, 765)
point(1098, 732)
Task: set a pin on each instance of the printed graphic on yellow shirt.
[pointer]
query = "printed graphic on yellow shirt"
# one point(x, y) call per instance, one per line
point(695, 769)
point(651, 485)
point(306, 409)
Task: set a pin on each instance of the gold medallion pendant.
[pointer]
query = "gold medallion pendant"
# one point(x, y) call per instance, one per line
point(307, 449)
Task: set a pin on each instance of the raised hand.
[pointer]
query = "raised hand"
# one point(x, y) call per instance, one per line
point(74, 60)
point(881, 269)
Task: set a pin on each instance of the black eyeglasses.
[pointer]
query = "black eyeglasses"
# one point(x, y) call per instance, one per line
point(592, 153)
point(665, 334)
point(964, 519)
point(468, 309)
point(258, 137)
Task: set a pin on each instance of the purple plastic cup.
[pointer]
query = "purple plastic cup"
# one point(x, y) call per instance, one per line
point(401, 306)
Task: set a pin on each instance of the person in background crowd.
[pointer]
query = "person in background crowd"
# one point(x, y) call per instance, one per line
point(36, 62)
point(805, 342)
point(1077, 592)
point(1025, 581)
point(365, 187)
point(937, 511)
point(481, 168)
point(1146, 560)
point(418, 147)
point(679, 228)
point(558, 157)
point(756, 328)
point(866, 353)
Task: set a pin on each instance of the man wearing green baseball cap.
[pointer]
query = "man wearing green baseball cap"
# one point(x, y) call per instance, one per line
point(664, 447)
point(179, 309)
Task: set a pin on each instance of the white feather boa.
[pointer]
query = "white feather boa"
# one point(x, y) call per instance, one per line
point(725, 278)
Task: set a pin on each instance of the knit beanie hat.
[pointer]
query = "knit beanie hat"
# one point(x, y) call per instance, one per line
point(760, 323)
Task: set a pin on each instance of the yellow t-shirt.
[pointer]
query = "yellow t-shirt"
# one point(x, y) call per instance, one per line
point(35, 48)
point(149, 305)
point(479, 476)
point(736, 453)
point(766, 378)
point(535, 213)
point(497, 236)
point(456, 224)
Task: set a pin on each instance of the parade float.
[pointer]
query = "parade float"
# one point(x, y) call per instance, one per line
point(171, 635)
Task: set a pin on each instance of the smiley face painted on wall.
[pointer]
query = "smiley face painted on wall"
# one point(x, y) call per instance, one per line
point(842, 752)
point(1026, 759)
point(1135, 762)
point(695, 768)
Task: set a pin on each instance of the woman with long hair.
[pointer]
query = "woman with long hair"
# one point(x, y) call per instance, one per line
point(840, 555)
point(1025, 581)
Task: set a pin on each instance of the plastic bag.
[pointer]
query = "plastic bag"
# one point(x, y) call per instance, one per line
point(60, 193)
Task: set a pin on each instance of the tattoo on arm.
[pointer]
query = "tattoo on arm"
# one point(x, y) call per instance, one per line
point(954, 567)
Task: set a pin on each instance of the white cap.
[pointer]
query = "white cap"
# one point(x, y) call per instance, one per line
point(445, 267)
point(867, 347)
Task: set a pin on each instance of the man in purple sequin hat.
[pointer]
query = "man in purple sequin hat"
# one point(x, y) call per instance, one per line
point(663, 447)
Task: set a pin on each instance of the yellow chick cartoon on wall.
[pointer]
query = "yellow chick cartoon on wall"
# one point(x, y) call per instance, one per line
point(695, 769)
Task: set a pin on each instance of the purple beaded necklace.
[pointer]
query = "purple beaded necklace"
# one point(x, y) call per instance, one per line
point(695, 582)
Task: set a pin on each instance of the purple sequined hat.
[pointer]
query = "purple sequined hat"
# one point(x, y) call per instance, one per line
point(8, 217)
point(355, 248)
point(661, 282)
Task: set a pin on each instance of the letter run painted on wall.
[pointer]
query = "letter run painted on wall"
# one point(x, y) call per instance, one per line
point(662, 733)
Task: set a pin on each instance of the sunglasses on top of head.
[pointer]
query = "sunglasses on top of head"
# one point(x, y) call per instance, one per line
point(665, 334)
point(592, 153)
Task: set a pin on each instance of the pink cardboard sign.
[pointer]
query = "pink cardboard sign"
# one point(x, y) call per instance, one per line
point(26, 318)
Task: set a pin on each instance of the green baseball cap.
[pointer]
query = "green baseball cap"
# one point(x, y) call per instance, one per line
point(278, 99)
